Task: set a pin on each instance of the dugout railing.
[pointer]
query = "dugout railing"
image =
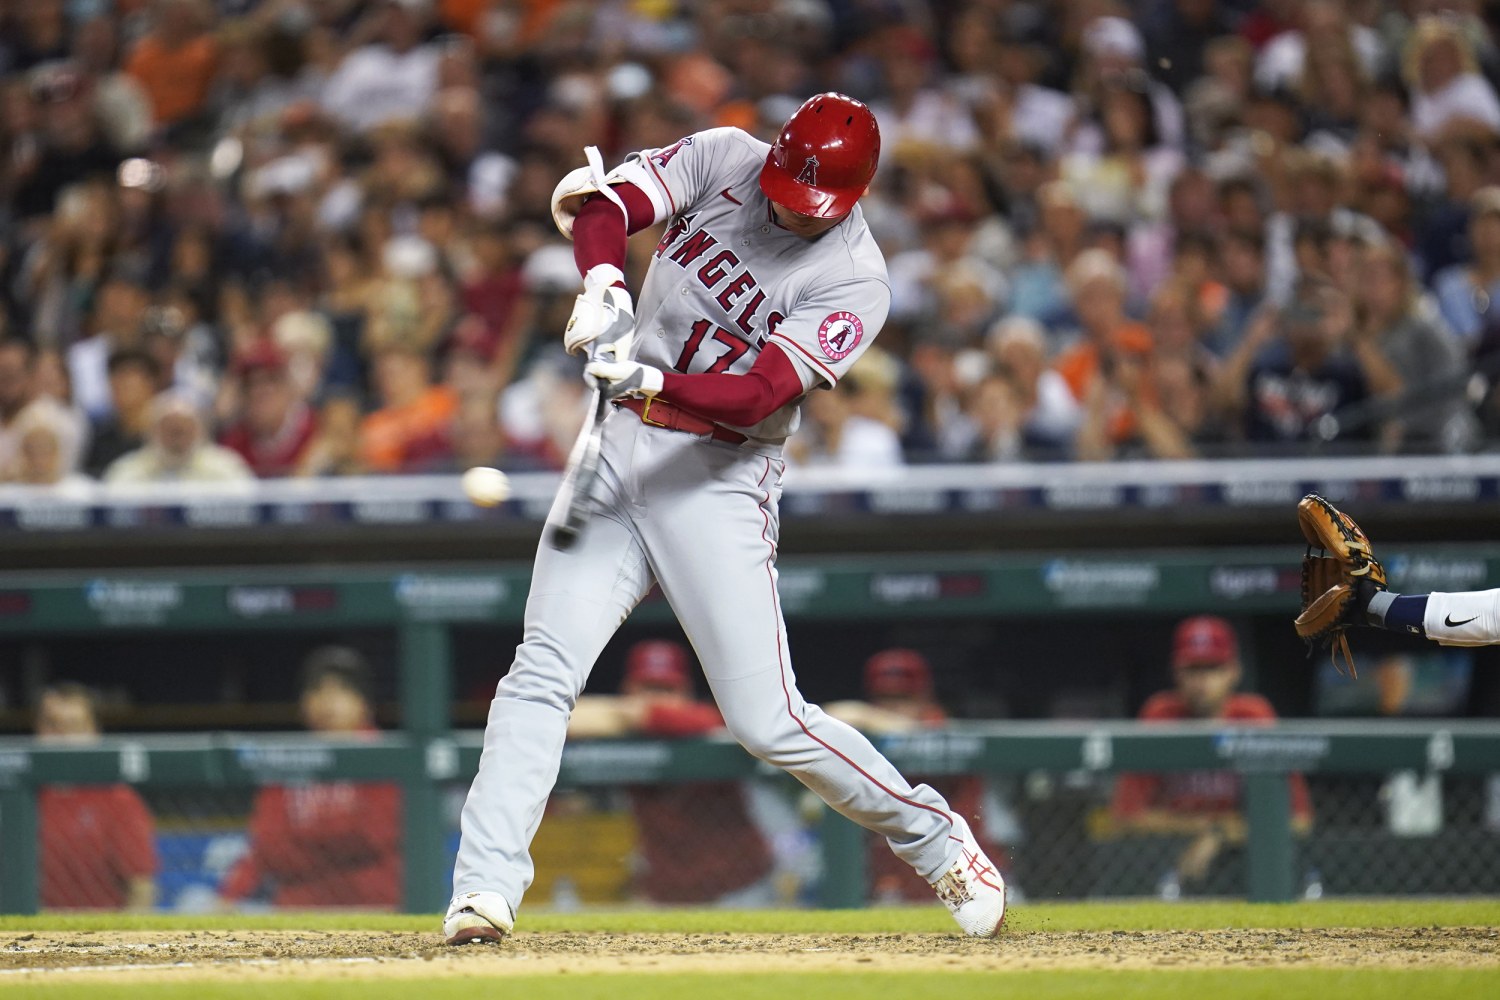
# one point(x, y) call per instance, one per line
point(424, 606)
point(424, 766)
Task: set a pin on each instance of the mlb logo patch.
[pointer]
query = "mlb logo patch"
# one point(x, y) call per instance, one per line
point(839, 334)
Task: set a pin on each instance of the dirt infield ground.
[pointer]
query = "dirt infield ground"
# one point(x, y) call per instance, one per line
point(221, 956)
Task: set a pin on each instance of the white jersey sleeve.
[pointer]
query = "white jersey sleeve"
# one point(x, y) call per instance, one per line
point(827, 331)
point(683, 173)
point(1466, 618)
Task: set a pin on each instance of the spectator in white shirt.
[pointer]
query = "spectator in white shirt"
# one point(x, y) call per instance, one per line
point(1114, 55)
point(23, 407)
point(118, 324)
point(177, 450)
point(833, 436)
point(1322, 22)
point(395, 78)
point(1447, 90)
point(1048, 414)
point(915, 115)
point(41, 458)
point(1036, 114)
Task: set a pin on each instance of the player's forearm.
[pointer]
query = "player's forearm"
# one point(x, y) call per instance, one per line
point(869, 718)
point(599, 716)
point(1382, 376)
point(241, 880)
point(1162, 436)
point(140, 893)
point(737, 400)
point(1091, 442)
point(1167, 821)
point(600, 229)
point(679, 721)
point(1228, 392)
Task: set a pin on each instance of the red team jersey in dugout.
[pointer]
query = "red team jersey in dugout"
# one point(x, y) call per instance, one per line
point(728, 281)
point(889, 875)
point(323, 844)
point(697, 839)
point(94, 840)
point(1198, 791)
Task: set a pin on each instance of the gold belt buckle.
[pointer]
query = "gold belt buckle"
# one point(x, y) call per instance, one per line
point(646, 414)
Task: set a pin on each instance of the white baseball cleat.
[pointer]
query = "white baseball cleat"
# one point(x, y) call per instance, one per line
point(972, 887)
point(478, 918)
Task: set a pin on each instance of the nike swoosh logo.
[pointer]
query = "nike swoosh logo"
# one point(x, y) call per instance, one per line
point(731, 197)
point(1448, 621)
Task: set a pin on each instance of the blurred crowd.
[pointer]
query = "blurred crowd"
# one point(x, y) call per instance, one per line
point(247, 238)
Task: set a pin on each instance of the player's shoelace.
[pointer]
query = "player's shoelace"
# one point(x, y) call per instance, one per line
point(953, 887)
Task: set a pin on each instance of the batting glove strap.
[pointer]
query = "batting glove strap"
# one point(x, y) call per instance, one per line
point(602, 276)
point(625, 378)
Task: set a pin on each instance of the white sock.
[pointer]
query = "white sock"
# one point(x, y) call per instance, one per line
point(1469, 618)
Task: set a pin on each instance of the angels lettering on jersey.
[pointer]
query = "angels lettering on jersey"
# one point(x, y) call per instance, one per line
point(740, 295)
point(726, 279)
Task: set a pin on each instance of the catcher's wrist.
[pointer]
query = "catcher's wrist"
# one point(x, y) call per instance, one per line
point(1379, 604)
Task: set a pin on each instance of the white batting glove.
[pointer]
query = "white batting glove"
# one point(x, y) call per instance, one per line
point(602, 311)
point(625, 378)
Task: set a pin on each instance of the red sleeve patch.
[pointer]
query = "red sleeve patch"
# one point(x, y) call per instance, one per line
point(839, 334)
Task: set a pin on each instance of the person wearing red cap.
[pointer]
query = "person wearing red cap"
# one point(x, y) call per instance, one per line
point(900, 697)
point(275, 425)
point(698, 843)
point(765, 285)
point(1202, 805)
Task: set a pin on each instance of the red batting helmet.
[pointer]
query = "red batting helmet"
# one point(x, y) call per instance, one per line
point(659, 665)
point(824, 157)
point(898, 673)
point(1203, 640)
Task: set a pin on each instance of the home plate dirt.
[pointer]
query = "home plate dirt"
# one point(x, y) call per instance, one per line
point(214, 955)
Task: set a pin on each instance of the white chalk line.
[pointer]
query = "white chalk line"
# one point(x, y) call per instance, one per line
point(141, 966)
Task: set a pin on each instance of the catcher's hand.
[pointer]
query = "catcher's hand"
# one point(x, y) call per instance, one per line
point(1338, 581)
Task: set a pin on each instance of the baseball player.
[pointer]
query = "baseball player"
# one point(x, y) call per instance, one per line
point(898, 683)
point(766, 285)
point(698, 842)
point(97, 842)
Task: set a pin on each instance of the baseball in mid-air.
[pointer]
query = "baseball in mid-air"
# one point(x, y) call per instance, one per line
point(485, 486)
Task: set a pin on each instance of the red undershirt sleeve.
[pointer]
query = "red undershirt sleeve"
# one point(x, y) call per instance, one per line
point(737, 400)
point(679, 721)
point(599, 234)
point(599, 231)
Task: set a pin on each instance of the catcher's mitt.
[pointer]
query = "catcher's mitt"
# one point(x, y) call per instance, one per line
point(1338, 581)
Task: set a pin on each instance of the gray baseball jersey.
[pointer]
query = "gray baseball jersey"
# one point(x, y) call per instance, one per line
point(727, 281)
point(699, 518)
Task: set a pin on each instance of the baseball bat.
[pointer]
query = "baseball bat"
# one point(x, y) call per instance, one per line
point(585, 474)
